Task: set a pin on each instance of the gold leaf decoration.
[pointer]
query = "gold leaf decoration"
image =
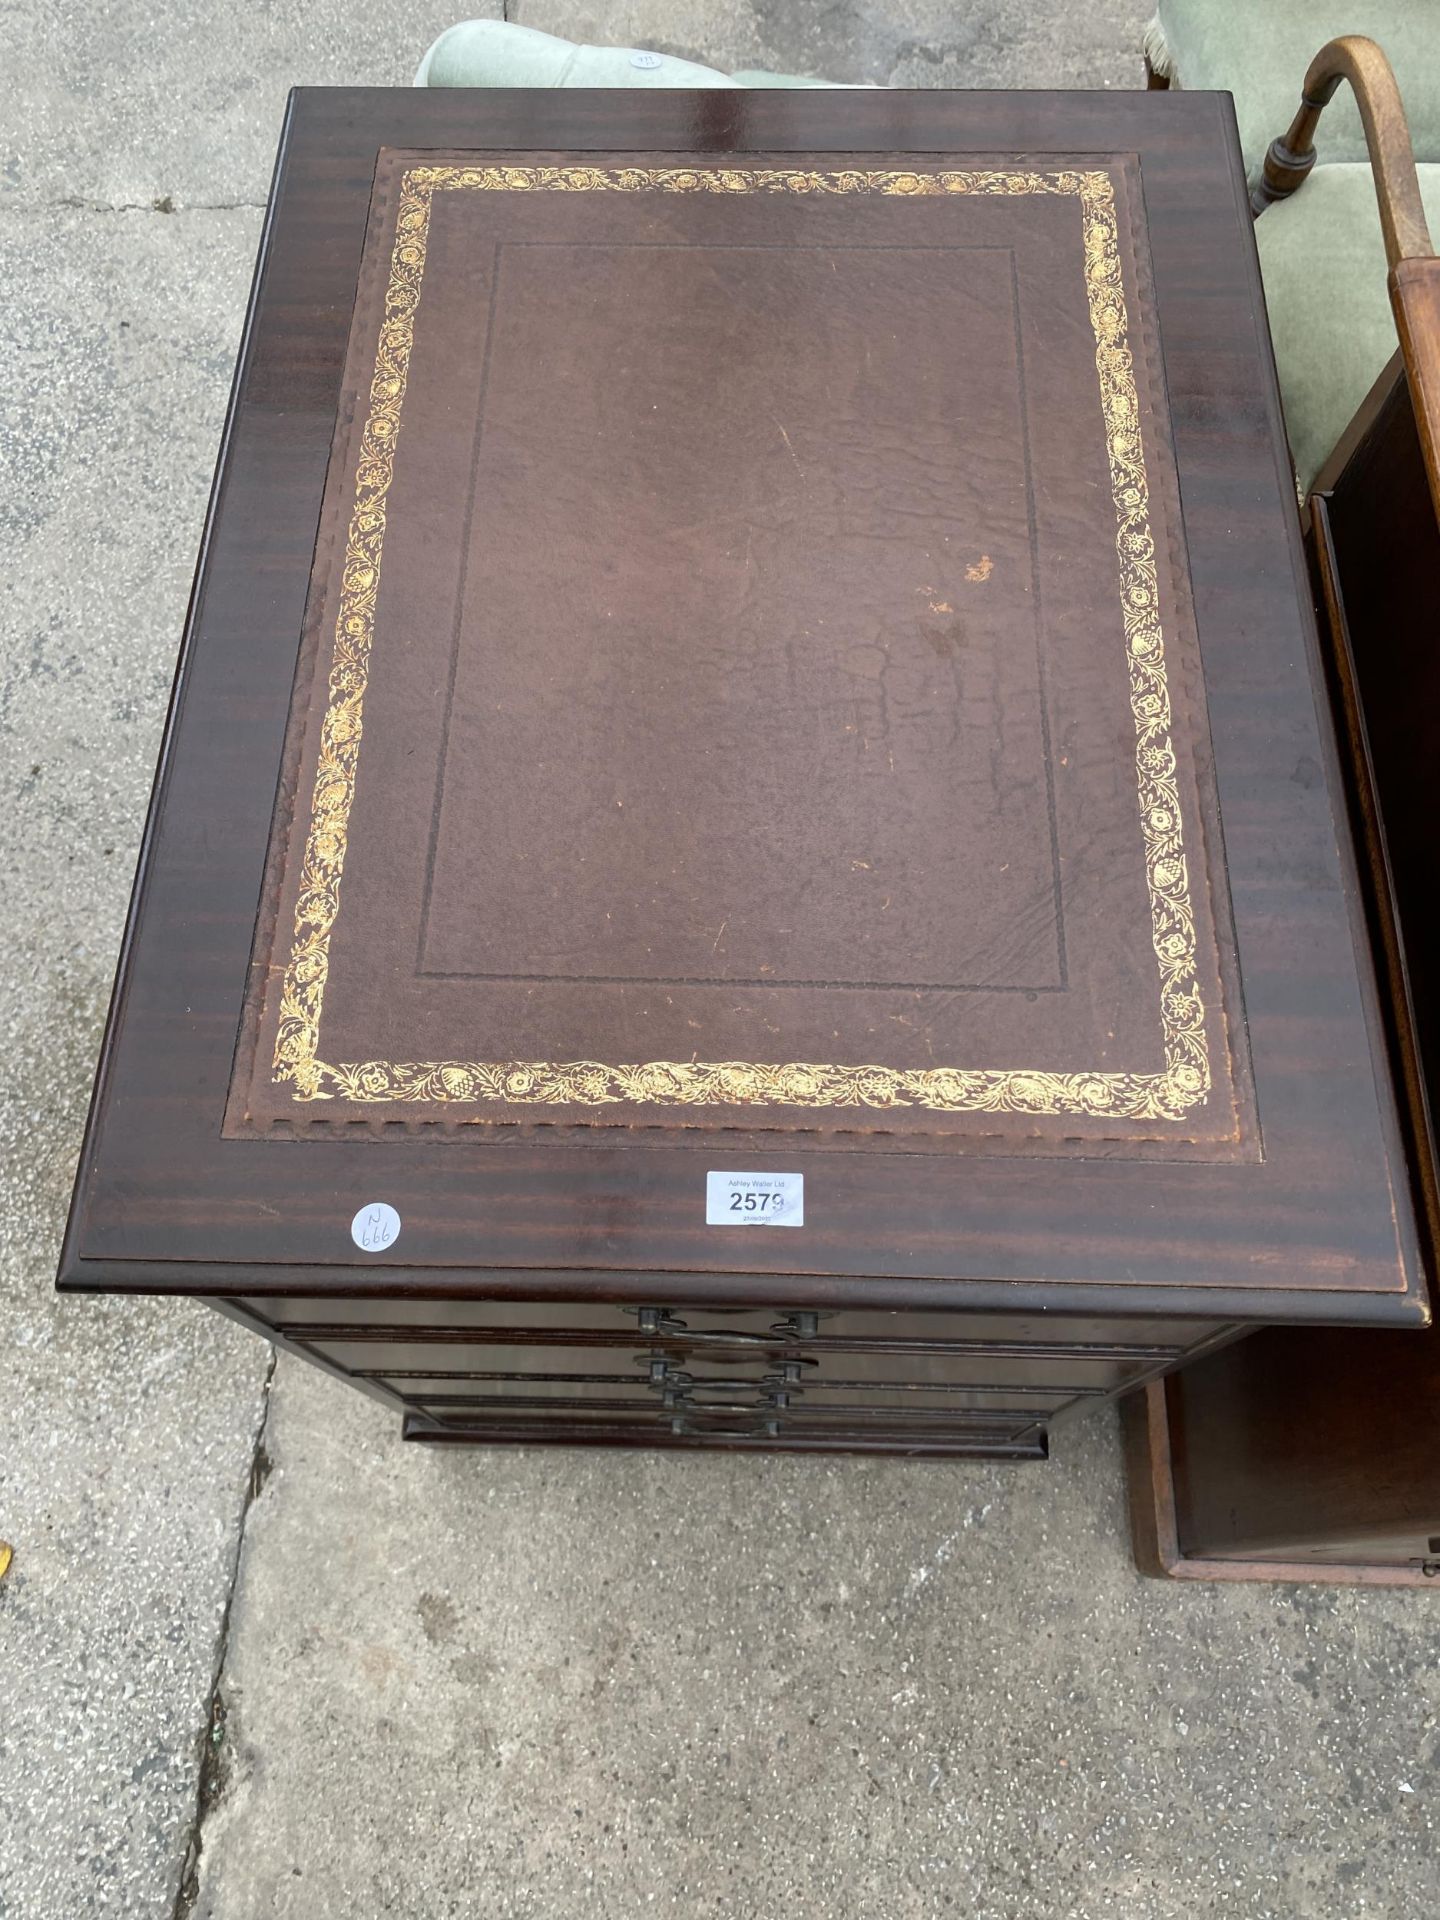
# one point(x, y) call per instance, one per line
point(1167, 1095)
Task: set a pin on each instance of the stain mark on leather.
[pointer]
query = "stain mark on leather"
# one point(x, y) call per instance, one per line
point(981, 570)
point(945, 640)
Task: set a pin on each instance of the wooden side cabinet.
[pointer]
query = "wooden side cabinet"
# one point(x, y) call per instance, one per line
point(1306, 1453)
point(1297, 1454)
point(1302, 1453)
point(751, 647)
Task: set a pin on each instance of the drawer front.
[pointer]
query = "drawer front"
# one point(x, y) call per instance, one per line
point(324, 1317)
point(945, 1384)
point(908, 1442)
point(331, 1310)
point(574, 1389)
point(677, 1368)
point(469, 1390)
point(638, 1410)
point(1004, 1426)
point(860, 1397)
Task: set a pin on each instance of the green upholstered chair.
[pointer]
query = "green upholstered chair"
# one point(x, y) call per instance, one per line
point(1258, 50)
point(1322, 252)
point(1322, 255)
point(495, 53)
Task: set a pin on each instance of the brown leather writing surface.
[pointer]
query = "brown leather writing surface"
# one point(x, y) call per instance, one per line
point(749, 678)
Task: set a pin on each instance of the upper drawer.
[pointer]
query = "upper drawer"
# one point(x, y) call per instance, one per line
point(585, 1322)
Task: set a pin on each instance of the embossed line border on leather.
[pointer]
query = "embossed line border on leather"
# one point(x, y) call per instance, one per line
point(1168, 1095)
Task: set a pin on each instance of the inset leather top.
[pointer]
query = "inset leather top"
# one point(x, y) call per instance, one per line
point(749, 678)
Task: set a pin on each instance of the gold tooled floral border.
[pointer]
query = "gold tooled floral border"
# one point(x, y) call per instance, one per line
point(1166, 1095)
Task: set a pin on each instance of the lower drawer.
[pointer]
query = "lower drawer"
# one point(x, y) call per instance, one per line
point(910, 1439)
point(456, 1390)
point(699, 1413)
point(708, 1415)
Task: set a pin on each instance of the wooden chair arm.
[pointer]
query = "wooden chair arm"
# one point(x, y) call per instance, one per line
point(1415, 297)
point(1363, 64)
point(1414, 269)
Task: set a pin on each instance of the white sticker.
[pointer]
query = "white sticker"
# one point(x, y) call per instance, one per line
point(754, 1199)
point(375, 1227)
point(647, 62)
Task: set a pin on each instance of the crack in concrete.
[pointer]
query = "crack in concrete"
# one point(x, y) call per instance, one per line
point(71, 203)
point(214, 1773)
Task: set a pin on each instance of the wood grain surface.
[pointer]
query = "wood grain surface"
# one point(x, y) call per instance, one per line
point(1317, 1226)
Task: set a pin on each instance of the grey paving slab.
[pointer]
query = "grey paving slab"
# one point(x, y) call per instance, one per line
point(540, 1684)
point(126, 1427)
point(122, 103)
point(897, 43)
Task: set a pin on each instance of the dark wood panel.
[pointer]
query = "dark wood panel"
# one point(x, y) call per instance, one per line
point(1322, 1221)
point(1002, 1402)
point(1305, 1453)
point(718, 1410)
point(1018, 1404)
point(1309, 1444)
point(1375, 544)
point(715, 1437)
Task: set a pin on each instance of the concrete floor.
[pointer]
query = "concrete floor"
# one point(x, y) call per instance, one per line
point(522, 1684)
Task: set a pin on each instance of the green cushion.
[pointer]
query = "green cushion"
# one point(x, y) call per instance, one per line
point(1323, 259)
point(494, 53)
point(497, 53)
point(1259, 50)
point(761, 77)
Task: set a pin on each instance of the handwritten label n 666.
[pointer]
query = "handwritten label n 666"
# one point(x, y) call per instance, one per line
point(375, 1227)
point(754, 1199)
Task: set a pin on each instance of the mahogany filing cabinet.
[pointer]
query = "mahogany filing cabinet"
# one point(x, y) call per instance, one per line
point(748, 851)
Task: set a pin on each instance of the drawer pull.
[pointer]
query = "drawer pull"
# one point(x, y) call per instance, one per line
point(687, 1403)
point(661, 1320)
point(714, 1430)
point(664, 1372)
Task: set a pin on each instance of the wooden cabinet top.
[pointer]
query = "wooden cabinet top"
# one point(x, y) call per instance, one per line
point(753, 632)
